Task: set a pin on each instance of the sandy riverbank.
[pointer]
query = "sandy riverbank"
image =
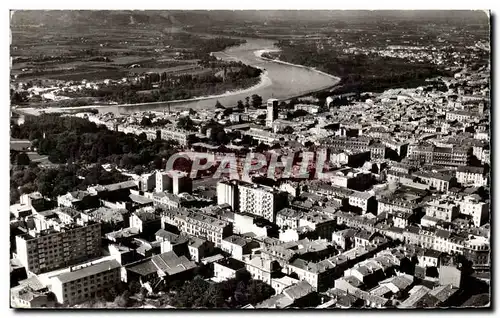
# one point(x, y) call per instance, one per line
point(264, 81)
point(260, 52)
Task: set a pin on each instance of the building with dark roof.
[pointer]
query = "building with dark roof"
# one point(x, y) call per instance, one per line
point(228, 268)
point(159, 267)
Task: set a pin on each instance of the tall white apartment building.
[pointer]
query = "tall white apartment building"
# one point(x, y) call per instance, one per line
point(227, 193)
point(260, 200)
point(173, 181)
point(57, 247)
point(163, 181)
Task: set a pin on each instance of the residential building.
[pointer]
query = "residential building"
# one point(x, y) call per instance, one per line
point(146, 222)
point(319, 275)
point(164, 266)
point(448, 242)
point(350, 178)
point(80, 200)
point(288, 218)
point(198, 224)
point(183, 137)
point(85, 283)
point(173, 181)
point(344, 238)
point(472, 176)
point(402, 219)
point(260, 200)
point(261, 269)
point(473, 205)
point(440, 182)
point(366, 201)
point(279, 284)
point(310, 108)
point(61, 246)
point(228, 268)
point(461, 116)
point(147, 182)
point(227, 193)
point(299, 295)
point(429, 258)
point(442, 209)
point(238, 246)
point(30, 293)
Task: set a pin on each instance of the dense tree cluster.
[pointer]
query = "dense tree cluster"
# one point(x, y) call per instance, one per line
point(256, 100)
point(186, 123)
point(18, 97)
point(19, 158)
point(233, 293)
point(359, 72)
point(173, 87)
point(52, 182)
point(76, 140)
point(121, 295)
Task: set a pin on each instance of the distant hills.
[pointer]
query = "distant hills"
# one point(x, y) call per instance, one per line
point(120, 18)
point(111, 18)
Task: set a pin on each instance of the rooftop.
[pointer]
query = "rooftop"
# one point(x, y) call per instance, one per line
point(231, 263)
point(88, 271)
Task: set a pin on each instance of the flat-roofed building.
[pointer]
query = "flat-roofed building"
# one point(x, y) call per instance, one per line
point(198, 224)
point(54, 248)
point(260, 200)
point(227, 193)
point(85, 283)
point(183, 137)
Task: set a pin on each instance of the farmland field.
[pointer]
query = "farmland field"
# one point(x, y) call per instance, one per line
point(149, 55)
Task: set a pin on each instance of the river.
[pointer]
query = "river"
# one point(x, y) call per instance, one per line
point(281, 81)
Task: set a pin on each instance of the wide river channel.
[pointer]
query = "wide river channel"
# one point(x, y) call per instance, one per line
point(279, 80)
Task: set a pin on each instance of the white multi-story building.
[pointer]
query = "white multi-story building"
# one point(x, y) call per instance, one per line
point(472, 176)
point(442, 209)
point(147, 182)
point(227, 193)
point(261, 268)
point(181, 182)
point(447, 242)
point(260, 200)
point(163, 181)
point(473, 206)
point(85, 283)
point(198, 224)
point(54, 248)
point(461, 115)
point(361, 200)
point(173, 181)
point(180, 135)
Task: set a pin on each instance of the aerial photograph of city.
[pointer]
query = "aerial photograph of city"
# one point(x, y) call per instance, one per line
point(250, 159)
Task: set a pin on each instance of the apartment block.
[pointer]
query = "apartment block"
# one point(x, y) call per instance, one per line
point(260, 200)
point(227, 193)
point(198, 224)
point(85, 283)
point(54, 248)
